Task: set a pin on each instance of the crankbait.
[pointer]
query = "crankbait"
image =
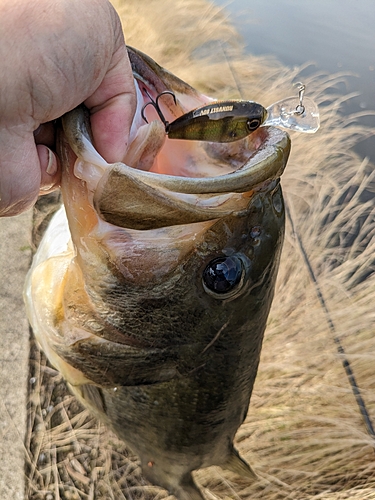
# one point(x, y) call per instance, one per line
point(221, 121)
point(228, 121)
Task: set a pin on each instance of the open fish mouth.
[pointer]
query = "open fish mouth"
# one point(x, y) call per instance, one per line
point(151, 294)
point(165, 182)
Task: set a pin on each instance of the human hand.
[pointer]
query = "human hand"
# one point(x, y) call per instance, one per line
point(56, 55)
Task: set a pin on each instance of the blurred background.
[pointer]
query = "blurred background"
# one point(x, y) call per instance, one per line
point(332, 35)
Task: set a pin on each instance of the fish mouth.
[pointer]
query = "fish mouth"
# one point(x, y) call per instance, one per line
point(165, 182)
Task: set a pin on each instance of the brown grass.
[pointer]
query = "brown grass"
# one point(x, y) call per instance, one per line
point(304, 434)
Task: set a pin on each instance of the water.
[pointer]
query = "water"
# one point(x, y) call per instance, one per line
point(335, 35)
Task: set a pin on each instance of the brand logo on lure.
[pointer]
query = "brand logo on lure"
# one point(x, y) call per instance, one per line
point(216, 109)
point(228, 121)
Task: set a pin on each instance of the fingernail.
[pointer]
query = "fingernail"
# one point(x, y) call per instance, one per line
point(52, 163)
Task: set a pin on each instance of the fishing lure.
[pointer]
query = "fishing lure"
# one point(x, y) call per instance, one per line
point(295, 113)
point(221, 121)
point(228, 121)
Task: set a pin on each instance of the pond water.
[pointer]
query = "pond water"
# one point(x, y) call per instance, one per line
point(334, 35)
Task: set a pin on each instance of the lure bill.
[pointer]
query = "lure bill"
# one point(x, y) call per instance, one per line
point(232, 120)
point(295, 113)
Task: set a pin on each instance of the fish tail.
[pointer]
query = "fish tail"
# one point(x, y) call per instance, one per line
point(239, 466)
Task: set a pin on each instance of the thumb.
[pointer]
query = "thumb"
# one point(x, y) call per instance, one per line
point(112, 108)
point(23, 171)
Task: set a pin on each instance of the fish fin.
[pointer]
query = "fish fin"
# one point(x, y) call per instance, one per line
point(238, 465)
point(176, 480)
point(91, 396)
point(188, 489)
point(108, 364)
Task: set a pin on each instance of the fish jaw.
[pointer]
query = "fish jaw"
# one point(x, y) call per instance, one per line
point(128, 318)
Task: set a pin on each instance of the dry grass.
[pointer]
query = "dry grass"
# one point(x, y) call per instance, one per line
point(304, 434)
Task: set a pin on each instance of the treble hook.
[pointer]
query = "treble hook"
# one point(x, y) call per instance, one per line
point(300, 109)
point(155, 104)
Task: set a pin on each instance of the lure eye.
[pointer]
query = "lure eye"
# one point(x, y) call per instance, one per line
point(253, 124)
point(222, 276)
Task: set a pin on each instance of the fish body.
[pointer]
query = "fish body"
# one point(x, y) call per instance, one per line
point(150, 291)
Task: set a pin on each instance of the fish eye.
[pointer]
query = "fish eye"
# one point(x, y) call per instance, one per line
point(223, 276)
point(253, 124)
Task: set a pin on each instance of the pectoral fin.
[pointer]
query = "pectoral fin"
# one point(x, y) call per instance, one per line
point(108, 364)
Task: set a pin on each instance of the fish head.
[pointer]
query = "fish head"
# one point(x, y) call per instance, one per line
point(170, 258)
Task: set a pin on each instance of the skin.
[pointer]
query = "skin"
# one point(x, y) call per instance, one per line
point(55, 55)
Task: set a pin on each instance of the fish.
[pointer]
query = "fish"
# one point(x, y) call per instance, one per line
point(151, 287)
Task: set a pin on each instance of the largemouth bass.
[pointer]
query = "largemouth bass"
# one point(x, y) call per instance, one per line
point(150, 291)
